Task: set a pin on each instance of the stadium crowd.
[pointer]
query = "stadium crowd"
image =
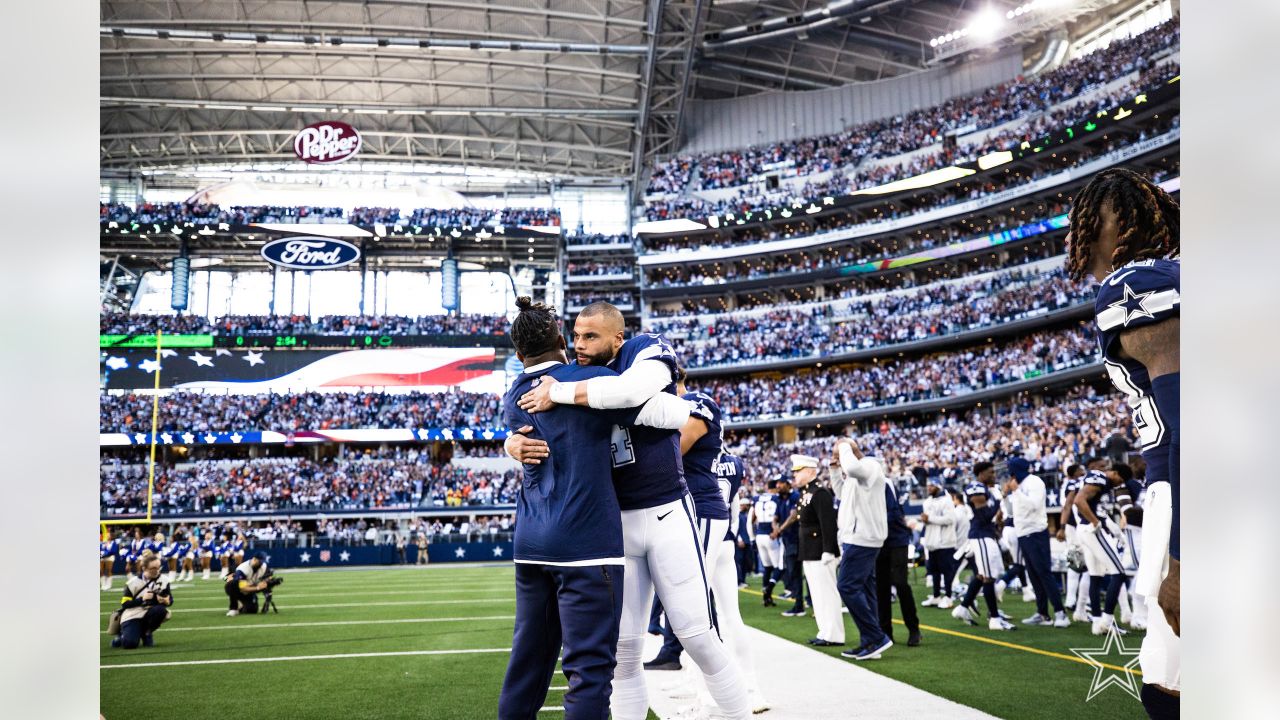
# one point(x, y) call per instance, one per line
point(891, 136)
point(198, 412)
point(841, 182)
point(598, 268)
point(1050, 432)
point(932, 311)
point(392, 479)
point(836, 389)
point(581, 299)
point(598, 239)
point(115, 323)
point(206, 214)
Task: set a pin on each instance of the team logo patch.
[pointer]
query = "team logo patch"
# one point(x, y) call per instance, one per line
point(324, 556)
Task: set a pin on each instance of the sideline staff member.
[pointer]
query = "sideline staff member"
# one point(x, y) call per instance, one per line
point(146, 604)
point(819, 549)
point(243, 586)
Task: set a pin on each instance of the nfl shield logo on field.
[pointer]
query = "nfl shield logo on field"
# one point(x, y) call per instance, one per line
point(324, 556)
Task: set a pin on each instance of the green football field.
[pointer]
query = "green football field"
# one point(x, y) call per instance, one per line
point(432, 643)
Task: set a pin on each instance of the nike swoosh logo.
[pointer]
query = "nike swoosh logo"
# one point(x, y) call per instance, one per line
point(1113, 281)
point(660, 517)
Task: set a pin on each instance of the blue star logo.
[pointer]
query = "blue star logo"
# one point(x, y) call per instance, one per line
point(1118, 672)
point(1133, 304)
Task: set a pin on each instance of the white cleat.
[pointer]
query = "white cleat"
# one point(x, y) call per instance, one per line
point(999, 623)
point(232, 613)
point(1060, 620)
point(1000, 591)
point(930, 601)
point(205, 576)
point(1103, 624)
point(945, 603)
point(1081, 615)
point(964, 614)
point(1028, 595)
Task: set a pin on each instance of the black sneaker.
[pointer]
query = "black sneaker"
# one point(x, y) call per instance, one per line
point(794, 612)
point(661, 663)
point(148, 640)
point(913, 640)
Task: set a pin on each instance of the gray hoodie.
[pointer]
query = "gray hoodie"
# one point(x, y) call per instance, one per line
point(863, 517)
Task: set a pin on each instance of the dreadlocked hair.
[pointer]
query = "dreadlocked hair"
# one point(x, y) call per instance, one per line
point(1146, 215)
point(536, 329)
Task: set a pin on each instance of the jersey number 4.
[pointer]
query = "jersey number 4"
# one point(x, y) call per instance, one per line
point(620, 444)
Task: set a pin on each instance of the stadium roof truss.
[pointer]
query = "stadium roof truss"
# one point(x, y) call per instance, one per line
point(542, 86)
point(554, 88)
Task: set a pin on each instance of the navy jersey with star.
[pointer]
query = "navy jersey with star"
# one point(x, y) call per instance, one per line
point(729, 474)
point(1101, 503)
point(983, 524)
point(699, 462)
point(647, 467)
point(1141, 293)
point(567, 510)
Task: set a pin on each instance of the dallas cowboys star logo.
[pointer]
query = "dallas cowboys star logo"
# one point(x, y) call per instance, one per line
point(304, 557)
point(497, 552)
point(344, 556)
point(188, 438)
point(1107, 674)
point(460, 552)
point(201, 360)
point(1133, 304)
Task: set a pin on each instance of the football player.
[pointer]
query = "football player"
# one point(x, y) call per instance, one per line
point(659, 529)
point(1124, 232)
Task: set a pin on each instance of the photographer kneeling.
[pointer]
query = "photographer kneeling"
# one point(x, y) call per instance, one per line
point(145, 605)
point(250, 578)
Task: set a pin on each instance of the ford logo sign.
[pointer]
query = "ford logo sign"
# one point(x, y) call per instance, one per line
point(330, 141)
point(310, 253)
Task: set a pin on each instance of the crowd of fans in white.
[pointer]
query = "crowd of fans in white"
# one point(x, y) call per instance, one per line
point(841, 389)
point(858, 147)
point(206, 214)
point(117, 323)
point(199, 412)
point(852, 325)
point(399, 478)
point(1051, 432)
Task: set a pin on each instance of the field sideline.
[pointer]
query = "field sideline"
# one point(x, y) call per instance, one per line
point(433, 642)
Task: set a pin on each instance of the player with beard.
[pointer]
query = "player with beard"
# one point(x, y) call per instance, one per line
point(1124, 232)
point(663, 548)
point(568, 538)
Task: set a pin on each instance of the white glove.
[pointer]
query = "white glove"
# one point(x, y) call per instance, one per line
point(828, 558)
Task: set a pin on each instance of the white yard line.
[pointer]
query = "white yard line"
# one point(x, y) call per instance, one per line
point(344, 593)
point(341, 656)
point(356, 605)
point(238, 627)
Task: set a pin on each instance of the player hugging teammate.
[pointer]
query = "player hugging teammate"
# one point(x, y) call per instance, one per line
point(667, 536)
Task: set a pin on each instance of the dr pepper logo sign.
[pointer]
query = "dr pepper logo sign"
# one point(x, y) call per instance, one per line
point(330, 141)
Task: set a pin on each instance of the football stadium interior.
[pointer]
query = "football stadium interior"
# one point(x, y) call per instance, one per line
point(844, 219)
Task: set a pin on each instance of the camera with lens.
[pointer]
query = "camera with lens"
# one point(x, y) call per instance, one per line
point(272, 581)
